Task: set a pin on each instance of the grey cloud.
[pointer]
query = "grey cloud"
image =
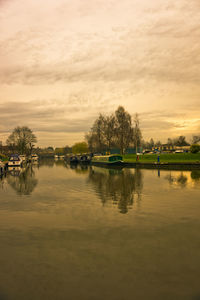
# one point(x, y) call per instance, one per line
point(161, 48)
point(45, 116)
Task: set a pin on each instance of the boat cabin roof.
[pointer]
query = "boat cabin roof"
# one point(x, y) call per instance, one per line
point(14, 157)
point(111, 157)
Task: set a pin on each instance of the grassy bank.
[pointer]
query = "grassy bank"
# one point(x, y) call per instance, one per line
point(3, 157)
point(165, 158)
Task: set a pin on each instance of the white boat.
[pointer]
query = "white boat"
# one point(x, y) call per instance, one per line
point(34, 157)
point(59, 156)
point(14, 160)
point(15, 171)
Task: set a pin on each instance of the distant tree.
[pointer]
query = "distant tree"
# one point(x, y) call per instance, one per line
point(151, 143)
point(67, 150)
point(170, 142)
point(80, 148)
point(124, 129)
point(59, 151)
point(195, 148)
point(50, 148)
point(181, 141)
point(91, 141)
point(195, 139)
point(97, 131)
point(137, 135)
point(23, 139)
point(158, 144)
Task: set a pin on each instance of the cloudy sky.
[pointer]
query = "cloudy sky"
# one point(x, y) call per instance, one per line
point(63, 62)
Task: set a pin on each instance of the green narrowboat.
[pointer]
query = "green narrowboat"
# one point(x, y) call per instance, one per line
point(108, 160)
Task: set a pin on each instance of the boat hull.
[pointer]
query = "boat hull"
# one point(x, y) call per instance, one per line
point(108, 164)
point(14, 163)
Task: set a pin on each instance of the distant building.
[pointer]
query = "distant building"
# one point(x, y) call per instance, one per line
point(171, 148)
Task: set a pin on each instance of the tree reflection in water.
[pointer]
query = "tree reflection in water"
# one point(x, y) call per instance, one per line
point(2, 183)
point(180, 180)
point(195, 175)
point(183, 178)
point(119, 186)
point(24, 181)
point(46, 162)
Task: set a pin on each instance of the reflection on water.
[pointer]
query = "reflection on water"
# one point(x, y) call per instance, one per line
point(183, 178)
point(195, 175)
point(83, 233)
point(120, 186)
point(22, 180)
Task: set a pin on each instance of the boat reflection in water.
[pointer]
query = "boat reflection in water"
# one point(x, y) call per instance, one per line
point(80, 168)
point(195, 175)
point(22, 180)
point(117, 185)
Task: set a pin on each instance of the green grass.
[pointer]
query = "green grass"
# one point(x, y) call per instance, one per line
point(3, 157)
point(168, 157)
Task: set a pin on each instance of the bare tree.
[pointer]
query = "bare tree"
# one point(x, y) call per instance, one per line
point(109, 131)
point(137, 135)
point(151, 143)
point(124, 129)
point(23, 139)
point(114, 131)
point(181, 141)
point(195, 139)
point(95, 138)
point(170, 142)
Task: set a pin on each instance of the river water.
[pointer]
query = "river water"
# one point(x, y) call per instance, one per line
point(92, 233)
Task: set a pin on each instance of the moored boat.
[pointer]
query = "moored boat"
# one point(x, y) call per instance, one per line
point(34, 157)
point(84, 159)
point(108, 160)
point(14, 160)
point(73, 159)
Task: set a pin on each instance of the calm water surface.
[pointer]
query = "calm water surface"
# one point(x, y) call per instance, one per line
point(96, 234)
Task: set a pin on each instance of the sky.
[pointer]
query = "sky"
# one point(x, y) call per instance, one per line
point(63, 62)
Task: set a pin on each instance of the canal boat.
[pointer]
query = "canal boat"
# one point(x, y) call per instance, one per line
point(15, 161)
point(56, 157)
point(108, 160)
point(73, 159)
point(84, 159)
point(15, 171)
point(34, 157)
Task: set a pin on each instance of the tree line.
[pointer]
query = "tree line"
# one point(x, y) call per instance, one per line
point(118, 130)
point(178, 141)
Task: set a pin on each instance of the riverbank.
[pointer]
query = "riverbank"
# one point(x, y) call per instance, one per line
point(175, 161)
point(164, 158)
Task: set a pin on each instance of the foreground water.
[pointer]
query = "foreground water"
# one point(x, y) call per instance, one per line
point(92, 233)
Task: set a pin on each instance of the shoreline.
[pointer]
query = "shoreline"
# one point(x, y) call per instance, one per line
point(164, 165)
